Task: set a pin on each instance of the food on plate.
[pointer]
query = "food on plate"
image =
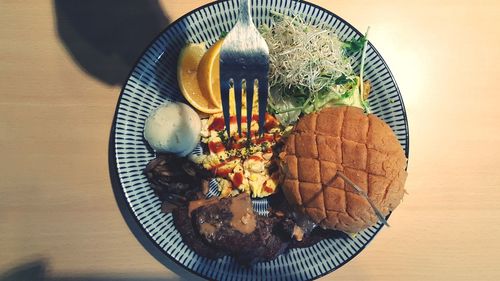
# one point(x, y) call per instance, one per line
point(231, 226)
point(311, 68)
point(217, 227)
point(191, 237)
point(241, 166)
point(318, 145)
point(208, 73)
point(176, 180)
point(363, 147)
point(187, 77)
point(174, 128)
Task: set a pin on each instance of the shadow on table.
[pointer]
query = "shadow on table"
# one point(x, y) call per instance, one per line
point(105, 38)
point(36, 270)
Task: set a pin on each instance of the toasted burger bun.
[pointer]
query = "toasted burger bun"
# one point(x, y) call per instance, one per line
point(361, 146)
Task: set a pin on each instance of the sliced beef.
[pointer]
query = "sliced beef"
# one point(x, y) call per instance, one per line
point(176, 180)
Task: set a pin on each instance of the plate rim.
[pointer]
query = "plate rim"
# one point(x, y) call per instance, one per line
point(112, 156)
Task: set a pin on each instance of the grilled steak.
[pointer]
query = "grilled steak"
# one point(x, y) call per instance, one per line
point(191, 237)
point(231, 226)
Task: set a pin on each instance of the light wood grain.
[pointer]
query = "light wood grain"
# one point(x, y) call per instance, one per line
point(56, 202)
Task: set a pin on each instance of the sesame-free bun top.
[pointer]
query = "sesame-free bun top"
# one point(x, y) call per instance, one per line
point(361, 146)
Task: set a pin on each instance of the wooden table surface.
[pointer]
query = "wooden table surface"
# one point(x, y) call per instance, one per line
point(62, 64)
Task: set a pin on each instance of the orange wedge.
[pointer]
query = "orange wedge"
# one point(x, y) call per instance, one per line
point(187, 69)
point(209, 71)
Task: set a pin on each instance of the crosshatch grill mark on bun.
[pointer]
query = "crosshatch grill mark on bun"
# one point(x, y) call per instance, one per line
point(361, 146)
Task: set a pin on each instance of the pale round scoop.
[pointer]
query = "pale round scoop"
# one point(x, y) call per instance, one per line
point(173, 128)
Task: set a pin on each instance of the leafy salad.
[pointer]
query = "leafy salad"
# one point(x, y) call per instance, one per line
point(311, 68)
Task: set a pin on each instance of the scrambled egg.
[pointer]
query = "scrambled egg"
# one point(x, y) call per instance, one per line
point(239, 165)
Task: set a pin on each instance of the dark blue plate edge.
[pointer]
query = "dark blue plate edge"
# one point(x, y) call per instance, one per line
point(126, 210)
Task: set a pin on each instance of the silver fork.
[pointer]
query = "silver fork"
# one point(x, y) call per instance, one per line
point(244, 56)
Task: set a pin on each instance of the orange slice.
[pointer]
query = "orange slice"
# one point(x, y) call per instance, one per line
point(209, 73)
point(187, 69)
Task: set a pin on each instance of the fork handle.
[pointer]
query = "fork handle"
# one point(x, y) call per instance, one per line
point(245, 17)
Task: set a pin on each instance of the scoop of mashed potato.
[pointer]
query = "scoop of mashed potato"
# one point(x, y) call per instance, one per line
point(173, 128)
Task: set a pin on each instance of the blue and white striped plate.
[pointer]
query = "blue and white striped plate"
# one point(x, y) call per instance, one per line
point(153, 82)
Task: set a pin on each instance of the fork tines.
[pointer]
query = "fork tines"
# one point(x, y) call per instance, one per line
point(238, 84)
point(244, 56)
